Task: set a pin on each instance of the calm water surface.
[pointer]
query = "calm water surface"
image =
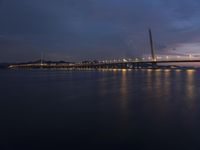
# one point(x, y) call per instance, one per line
point(139, 109)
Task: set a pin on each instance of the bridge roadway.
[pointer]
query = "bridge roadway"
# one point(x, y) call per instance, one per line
point(122, 64)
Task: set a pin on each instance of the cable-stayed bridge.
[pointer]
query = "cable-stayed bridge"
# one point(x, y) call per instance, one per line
point(135, 63)
point(152, 61)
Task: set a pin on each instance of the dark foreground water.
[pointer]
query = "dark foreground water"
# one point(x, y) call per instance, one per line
point(139, 109)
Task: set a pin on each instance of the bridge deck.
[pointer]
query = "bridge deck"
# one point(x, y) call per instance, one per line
point(100, 64)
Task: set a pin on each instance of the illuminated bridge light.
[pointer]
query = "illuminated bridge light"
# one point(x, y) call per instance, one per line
point(124, 60)
point(190, 56)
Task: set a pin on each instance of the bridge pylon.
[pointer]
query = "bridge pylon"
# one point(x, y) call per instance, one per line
point(153, 56)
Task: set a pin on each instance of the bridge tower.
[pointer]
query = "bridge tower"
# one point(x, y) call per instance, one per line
point(153, 56)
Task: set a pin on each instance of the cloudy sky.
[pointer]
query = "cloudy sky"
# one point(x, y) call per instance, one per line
point(74, 30)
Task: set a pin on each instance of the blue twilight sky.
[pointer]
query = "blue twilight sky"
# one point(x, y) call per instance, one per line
point(74, 30)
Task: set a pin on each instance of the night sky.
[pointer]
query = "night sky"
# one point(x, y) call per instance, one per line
point(74, 30)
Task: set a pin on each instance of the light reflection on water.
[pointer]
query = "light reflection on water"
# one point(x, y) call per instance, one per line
point(113, 106)
point(123, 100)
point(190, 84)
point(161, 92)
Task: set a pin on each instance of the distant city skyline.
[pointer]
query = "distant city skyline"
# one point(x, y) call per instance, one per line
point(96, 29)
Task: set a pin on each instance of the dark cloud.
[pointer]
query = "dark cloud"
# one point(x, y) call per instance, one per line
point(92, 29)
